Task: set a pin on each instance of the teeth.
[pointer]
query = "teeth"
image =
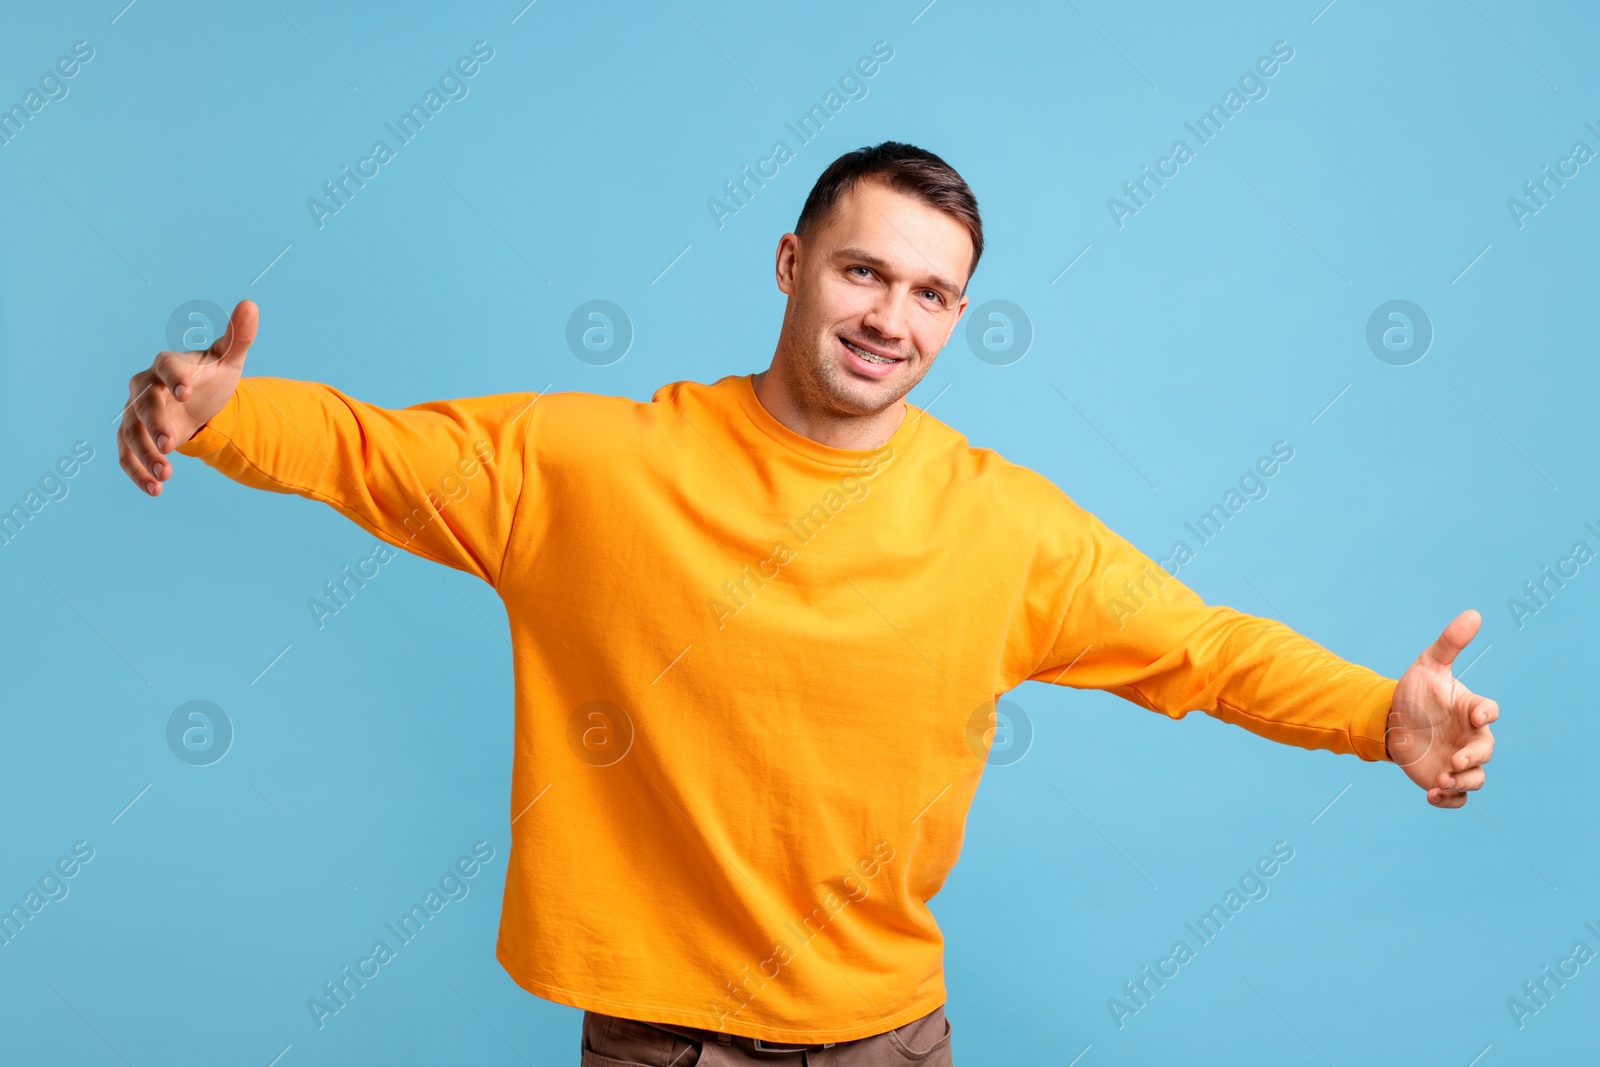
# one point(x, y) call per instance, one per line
point(868, 356)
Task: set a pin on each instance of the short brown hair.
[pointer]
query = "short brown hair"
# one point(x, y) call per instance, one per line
point(906, 169)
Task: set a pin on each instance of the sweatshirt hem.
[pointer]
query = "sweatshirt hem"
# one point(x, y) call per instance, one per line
point(679, 1017)
point(1369, 728)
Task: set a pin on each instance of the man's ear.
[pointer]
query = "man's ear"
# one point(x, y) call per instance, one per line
point(788, 261)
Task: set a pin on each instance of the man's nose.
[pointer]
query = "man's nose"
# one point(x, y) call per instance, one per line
point(888, 318)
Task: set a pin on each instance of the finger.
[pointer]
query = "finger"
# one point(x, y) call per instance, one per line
point(134, 468)
point(1462, 629)
point(138, 385)
point(144, 449)
point(1472, 778)
point(1482, 711)
point(1475, 753)
point(235, 342)
point(154, 411)
point(1442, 798)
point(176, 370)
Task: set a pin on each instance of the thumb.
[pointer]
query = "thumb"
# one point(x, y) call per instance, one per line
point(1462, 629)
point(235, 342)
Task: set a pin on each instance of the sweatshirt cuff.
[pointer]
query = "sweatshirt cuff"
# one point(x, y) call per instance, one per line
point(1370, 723)
point(217, 433)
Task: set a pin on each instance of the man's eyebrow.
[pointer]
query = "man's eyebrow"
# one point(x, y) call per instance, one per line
point(861, 254)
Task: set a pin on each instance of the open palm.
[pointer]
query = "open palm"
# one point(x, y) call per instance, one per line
point(1438, 730)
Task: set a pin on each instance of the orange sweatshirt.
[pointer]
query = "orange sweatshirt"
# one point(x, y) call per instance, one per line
point(754, 673)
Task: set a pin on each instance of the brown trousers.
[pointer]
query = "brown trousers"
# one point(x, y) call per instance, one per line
point(612, 1041)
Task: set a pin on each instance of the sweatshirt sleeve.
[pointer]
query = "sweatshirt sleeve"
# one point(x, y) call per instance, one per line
point(1111, 618)
point(441, 480)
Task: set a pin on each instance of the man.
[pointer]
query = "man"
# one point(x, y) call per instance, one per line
point(759, 630)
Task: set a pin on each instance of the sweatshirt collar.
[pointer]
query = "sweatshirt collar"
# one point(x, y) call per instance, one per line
point(744, 388)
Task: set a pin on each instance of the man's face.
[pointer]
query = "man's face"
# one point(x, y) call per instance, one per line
point(885, 273)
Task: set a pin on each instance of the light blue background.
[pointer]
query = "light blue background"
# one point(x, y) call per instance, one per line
point(1223, 317)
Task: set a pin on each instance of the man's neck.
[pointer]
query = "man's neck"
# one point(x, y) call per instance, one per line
point(784, 402)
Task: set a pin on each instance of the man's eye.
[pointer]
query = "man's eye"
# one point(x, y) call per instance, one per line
point(934, 293)
point(863, 270)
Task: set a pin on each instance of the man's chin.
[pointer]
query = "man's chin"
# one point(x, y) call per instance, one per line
point(860, 396)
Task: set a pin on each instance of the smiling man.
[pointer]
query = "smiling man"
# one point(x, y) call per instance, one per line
point(759, 629)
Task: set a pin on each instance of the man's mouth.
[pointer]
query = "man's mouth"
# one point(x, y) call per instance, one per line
point(870, 356)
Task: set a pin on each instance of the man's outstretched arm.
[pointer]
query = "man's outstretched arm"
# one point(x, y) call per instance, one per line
point(441, 480)
point(1125, 625)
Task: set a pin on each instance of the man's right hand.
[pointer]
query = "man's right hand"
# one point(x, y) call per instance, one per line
point(179, 394)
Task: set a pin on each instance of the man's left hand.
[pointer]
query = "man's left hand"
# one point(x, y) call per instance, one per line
point(1438, 730)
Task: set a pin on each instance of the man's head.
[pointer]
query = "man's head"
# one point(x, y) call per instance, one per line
point(880, 260)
